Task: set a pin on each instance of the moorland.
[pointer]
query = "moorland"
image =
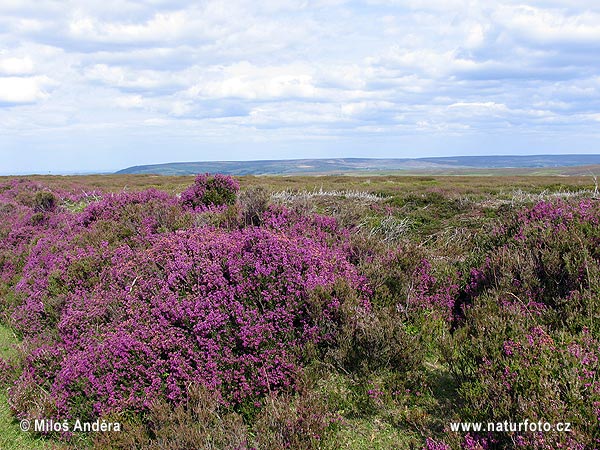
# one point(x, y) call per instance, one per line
point(303, 312)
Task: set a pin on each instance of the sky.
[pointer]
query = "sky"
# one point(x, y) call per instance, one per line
point(99, 85)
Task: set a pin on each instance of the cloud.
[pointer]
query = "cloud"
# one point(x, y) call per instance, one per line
point(16, 66)
point(18, 90)
point(129, 101)
point(247, 81)
point(161, 28)
point(129, 79)
point(551, 26)
point(407, 73)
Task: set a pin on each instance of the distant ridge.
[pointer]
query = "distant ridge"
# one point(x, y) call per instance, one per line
point(352, 165)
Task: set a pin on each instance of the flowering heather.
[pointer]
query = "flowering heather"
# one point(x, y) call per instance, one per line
point(432, 444)
point(529, 343)
point(539, 377)
point(210, 190)
point(560, 213)
point(547, 258)
point(241, 324)
point(430, 294)
point(134, 303)
point(123, 206)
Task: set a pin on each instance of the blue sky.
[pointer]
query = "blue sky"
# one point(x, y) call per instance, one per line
point(102, 85)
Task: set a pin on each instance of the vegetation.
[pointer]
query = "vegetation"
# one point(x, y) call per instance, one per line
point(301, 312)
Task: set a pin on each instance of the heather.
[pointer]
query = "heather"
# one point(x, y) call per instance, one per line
point(527, 339)
point(230, 313)
point(210, 190)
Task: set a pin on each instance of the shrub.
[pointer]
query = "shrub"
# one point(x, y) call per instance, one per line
point(302, 421)
point(8, 370)
point(200, 422)
point(44, 201)
point(527, 341)
point(372, 340)
point(142, 307)
point(525, 373)
point(210, 190)
point(547, 258)
point(254, 203)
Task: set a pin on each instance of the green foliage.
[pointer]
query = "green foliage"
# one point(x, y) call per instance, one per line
point(44, 201)
point(374, 340)
point(11, 436)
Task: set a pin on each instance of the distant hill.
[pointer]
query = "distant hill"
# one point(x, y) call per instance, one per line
point(357, 165)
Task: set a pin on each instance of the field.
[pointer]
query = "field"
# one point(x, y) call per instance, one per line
point(304, 312)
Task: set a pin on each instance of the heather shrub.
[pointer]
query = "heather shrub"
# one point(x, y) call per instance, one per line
point(136, 213)
point(229, 217)
point(389, 269)
point(432, 291)
point(124, 304)
point(511, 369)
point(200, 422)
point(44, 201)
point(35, 195)
point(30, 399)
point(8, 370)
point(69, 252)
point(432, 444)
point(302, 421)
point(231, 307)
point(254, 202)
point(403, 277)
point(526, 341)
point(373, 340)
point(547, 258)
point(210, 190)
point(414, 298)
point(27, 193)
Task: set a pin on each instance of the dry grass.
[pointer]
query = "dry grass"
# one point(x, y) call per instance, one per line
point(389, 185)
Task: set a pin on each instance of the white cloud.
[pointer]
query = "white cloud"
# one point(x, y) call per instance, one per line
point(16, 66)
point(551, 26)
point(160, 28)
point(480, 106)
point(23, 89)
point(247, 81)
point(127, 78)
point(475, 36)
point(129, 101)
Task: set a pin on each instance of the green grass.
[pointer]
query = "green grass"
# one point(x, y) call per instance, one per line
point(362, 426)
point(11, 436)
point(397, 422)
point(375, 434)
